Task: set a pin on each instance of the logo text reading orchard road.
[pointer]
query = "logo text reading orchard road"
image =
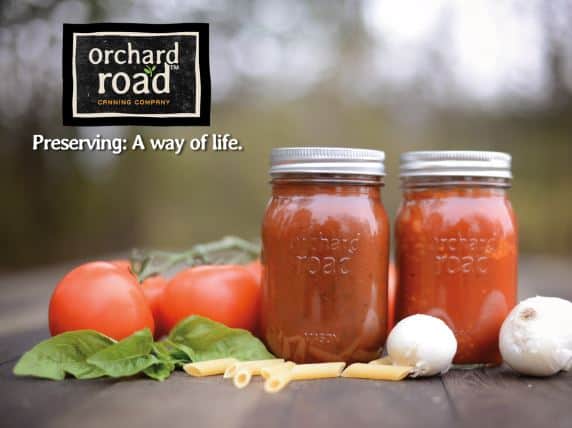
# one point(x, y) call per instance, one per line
point(140, 74)
point(147, 80)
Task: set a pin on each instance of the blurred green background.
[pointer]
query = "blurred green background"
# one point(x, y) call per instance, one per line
point(388, 74)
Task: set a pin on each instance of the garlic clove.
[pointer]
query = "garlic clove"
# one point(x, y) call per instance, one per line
point(423, 342)
point(536, 337)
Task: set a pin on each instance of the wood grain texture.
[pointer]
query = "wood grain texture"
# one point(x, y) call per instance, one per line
point(499, 397)
point(14, 345)
point(361, 403)
point(27, 402)
point(183, 401)
point(477, 398)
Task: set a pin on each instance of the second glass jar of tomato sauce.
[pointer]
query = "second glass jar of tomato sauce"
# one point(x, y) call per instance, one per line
point(325, 240)
point(457, 246)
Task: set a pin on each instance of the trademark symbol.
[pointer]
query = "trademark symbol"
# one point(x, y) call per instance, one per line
point(174, 66)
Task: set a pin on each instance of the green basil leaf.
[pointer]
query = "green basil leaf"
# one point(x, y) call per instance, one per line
point(161, 350)
point(166, 364)
point(184, 354)
point(128, 357)
point(167, 350)
point(160, 370)
point(209, 340)
point(64, 353)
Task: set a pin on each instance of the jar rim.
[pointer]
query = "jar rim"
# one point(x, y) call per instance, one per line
point(452, 181)
point(327, 179)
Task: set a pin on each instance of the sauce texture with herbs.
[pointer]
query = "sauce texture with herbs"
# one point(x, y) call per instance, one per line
point(325, 256)
point(457, 260)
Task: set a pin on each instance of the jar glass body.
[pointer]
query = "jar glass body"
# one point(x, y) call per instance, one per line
point(457, 259)
point(325, 254)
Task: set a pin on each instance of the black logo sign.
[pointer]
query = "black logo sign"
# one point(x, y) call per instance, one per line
point(136, 74)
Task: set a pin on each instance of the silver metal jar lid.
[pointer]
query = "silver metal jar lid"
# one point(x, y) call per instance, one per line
point(455, 163)
point(326, 160)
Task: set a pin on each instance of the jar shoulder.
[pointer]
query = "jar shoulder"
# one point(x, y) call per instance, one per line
point(465, 212)
point(327, 217)
point(324, 207)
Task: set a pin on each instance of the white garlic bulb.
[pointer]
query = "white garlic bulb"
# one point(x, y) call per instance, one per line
point(536, 337)
point(423, 342)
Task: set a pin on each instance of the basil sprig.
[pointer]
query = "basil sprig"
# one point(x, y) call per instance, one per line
point(204, 339)
point(87, 354)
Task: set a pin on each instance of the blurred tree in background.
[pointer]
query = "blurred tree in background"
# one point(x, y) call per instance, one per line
point(386, 74)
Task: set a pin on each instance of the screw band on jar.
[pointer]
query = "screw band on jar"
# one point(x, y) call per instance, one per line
point(455, 168)
point(327, 160)
point(456, 163)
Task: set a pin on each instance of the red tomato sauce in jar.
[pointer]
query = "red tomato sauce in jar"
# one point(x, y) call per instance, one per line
point(457, 247)
point(325, 239)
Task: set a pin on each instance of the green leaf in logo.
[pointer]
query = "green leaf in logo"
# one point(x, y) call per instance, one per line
point(147, 70)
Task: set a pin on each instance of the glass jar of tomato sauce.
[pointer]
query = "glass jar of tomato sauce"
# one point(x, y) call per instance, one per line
point(325, 238)
point(457, 246)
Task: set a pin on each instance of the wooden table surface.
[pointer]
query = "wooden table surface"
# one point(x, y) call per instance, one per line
point(474, 398)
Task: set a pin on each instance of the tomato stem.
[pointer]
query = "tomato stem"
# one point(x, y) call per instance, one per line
point(230, 249)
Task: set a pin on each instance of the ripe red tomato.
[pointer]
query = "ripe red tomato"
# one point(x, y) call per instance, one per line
point(102, 297)
point(391, 288)
point(227, 293)
point(255, 268)
point(122, 264)
point(153, 288)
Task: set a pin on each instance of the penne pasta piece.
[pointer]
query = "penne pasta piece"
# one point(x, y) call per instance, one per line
point(384, 361)
point(242, 378)
point(317, 370)
point(376, 371)
point(277, 377)
point(266, 372)
point(230, 371)
point(254, 366)
point(208, 368)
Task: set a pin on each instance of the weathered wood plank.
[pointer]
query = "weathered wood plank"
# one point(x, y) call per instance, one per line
point(24, 299)
point(28, 402)
point(496, 397)
point(181, 401)
point(355, 403)
point(184, 401)
point(492, 397)
point(14, 345)
point(499, 397)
